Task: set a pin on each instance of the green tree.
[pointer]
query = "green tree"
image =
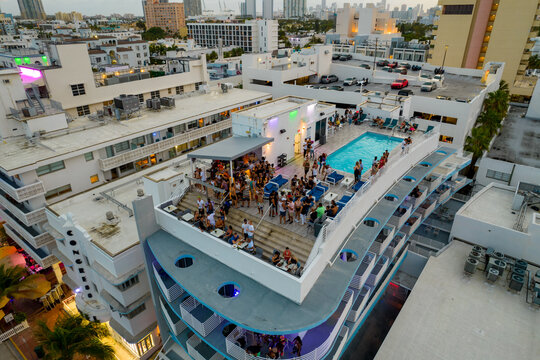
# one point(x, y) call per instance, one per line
point(74, 335)
point(534, 62)
point(141, 25)
point(154, 33)
point(212, 56)
point(477, 143)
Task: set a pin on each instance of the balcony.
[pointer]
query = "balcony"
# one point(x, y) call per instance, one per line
point(359, 304)
point(427, 206)
point(199, 350)
point(39, 255)
point(317, 342)
point(164, 145)
point(443, 193)
point(412, 223)
point(28, 217)
point(382, 240)
point(32, 236)
point(362, 274)
point(401, 215)
point(14, 331)
point(175, 323)
point(378, 271)
point(198, 316)
point(395, 245)
point(431, 182)
point(168, 286)
point(18, 192)
point(415, 201)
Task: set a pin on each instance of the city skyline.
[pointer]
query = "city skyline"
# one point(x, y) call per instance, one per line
point(105, 7)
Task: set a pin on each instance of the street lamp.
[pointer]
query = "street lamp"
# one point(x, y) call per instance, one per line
point(444, 57)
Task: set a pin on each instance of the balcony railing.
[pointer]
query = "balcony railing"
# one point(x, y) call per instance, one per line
point(39, 255)
point(362, 274)
point(26, 216)
point(164, 145)
point(383, 239)
point(14, 331)
point(21, 193)
point(32, 236)
point(168, 286)
point(199, 350)
point(395, 245)
point(205, 321)
point(176, 325)
point(318, 353)
point(359, 304)
point(412, 223)
point(378, 271)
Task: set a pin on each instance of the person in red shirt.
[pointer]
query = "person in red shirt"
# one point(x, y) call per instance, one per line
point(287, 254)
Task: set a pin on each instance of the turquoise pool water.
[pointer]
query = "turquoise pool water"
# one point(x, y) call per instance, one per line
point(365, 147)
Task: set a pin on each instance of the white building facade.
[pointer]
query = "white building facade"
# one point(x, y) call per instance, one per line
point(294, 9)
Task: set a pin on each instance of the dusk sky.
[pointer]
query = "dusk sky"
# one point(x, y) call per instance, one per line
point(106, 7)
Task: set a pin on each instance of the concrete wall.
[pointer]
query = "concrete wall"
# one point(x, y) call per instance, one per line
point(519, 173)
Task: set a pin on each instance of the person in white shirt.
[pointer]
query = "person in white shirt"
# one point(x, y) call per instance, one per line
point(211, 220)
point(200, 204)
point(245, 226)
point(250, 230)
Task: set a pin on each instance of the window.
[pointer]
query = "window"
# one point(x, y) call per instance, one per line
point(457, 9)
point(127, 167)
point(52, 167)
point(498, 175)
point(78, 89)
point(169, 90)
point(94, 179)
point(136, 311)
point(155, 94)
point(89, 156)
point(83, 110)
point(449, 120)
point(446, 139)
point(141, 98)
point(138, 55)
point(179, 90)
point(123, 146)
point(81, 270)
point(129, 283)
point(198, 85)
point(58, 191)
point(145, 344)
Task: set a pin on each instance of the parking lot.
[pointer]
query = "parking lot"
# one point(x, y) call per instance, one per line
point(454, 86)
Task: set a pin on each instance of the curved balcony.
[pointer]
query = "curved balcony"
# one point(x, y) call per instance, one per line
point(362, 274)
point(378, 271)
point(18, 192)
point(198, 316)
point(170, 289)
point(382, 240)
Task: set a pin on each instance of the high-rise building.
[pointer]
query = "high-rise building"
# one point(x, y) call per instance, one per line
point(352, 21)
point(168, 16)
point(323, 4)
point(268, 9)
point(32, 9)
point(192, 7)
point(294, 9)
point(249, 9)
point(480, 31)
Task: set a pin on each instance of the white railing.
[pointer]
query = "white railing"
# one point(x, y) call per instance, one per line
point(147, 150)
point(177, 327)
point(22, 193)
point(318, 353)
point(377, 273)
point(14, 331)
point(29, 218)
point(171, 293)
point(358, 281)
point(203, 328)
point(36, 241)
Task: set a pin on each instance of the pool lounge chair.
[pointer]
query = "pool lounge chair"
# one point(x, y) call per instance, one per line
point(318, 191)
point(358, 185)
point(269, 188)
point(334, 178)
point(279, 180)
point(386, 122)
point(345, 198)
point(393, 124)
point(429, 129)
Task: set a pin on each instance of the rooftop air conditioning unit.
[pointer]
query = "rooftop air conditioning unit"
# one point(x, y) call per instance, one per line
point(128, 103)
point(156, 103)
point(167, 101)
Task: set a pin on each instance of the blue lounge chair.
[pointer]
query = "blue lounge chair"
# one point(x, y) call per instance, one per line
point(429, 129)
point(318, 191)
point(386, 122)
point(279, 180)
point(269, 188)
point(358, 185)
point(373, 123)
point(334, 178)
point(392, 125)
point(345, 199)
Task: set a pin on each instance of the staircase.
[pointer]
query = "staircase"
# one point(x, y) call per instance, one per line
point(268, 236)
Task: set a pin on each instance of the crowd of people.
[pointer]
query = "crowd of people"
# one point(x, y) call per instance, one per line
point(271, 346)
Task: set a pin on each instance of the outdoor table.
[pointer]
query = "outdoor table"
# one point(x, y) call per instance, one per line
point(217, 232)
point(330, 196)
point(187, 217)
point(170, 208)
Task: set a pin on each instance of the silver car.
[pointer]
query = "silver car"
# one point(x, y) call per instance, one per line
point(428, 86)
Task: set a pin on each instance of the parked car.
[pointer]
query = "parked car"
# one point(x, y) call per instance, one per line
point(425, 77)
point(335, 56)
point(349, 81)
point(382, 63)
point(442, 97)
point(365, 66)
point(335, 87)
point(345, 57)
point(428, 86)
point(362, 82)
point(405, 65)
point(416, 67)
point(439, 79)
point(361, 90)
point(327, 79)
point(387, 68)
point(400, 84)
point(393, 65)
point(405, 92)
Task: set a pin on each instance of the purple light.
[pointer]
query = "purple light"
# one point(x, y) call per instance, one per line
point(272, 120)
point(236, 293)
point(29, 75)
point(78, 290)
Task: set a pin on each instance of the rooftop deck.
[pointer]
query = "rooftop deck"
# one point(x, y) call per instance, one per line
point(451, 316)
point(84, 134)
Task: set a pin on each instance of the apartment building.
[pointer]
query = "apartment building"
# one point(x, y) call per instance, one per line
point(454, 105)
point(248, 9)
point(471, 33)
point(48, 157)
point(192, 7)
point(168, 16)
point(32, 9)
point(251, 36)
point(353, 21)
point(294, 9)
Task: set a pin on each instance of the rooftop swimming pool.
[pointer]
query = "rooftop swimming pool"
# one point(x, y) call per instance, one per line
point(365, 147)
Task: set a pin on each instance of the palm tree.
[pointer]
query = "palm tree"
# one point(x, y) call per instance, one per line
point(503, 86)
point(72, 336)
point(14, 282)
point(534, 62)
point(477, 143)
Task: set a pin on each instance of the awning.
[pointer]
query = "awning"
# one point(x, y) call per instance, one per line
point(230, 149)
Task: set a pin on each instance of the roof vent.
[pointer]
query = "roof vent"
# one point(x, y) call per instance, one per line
point(470, 265)
point(109, 215)
point(140, 192)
